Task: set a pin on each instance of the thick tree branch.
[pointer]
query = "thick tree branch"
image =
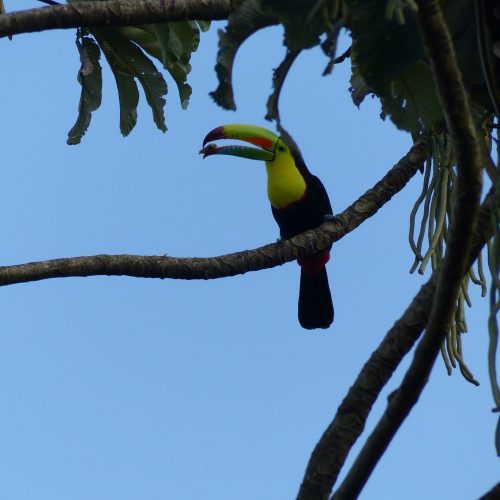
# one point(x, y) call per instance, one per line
point(232, 264)
point(332, 449)
point(112, 12)
point(493, 494)
point(439, 46)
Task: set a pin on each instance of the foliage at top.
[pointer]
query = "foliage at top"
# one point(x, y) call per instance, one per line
point(128, 51)
point(388, 58)
point(387, 55)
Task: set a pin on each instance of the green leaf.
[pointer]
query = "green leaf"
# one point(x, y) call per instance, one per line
point(382, 48)
point(128, 92)
point(142, 36)
point(183, 38)
point(413, 103)
point(189, 36)
point(203, 25)
point(358, 89)
point(305, 21)
point(172, 44)
point(247, 19)
point(90, 78)
point(132, 62)
point(388, 53)
point(173, 61)
point(459, 15)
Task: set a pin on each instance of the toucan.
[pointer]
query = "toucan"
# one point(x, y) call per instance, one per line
point(299, 202)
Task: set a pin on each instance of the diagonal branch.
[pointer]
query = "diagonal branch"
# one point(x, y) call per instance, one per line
point(112, 12)
point(492, 494)
point(232, 264)
point(439, 46)
point(332, 449)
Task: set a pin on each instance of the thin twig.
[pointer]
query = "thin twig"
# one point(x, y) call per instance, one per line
point(49, 2)
point(342, 57)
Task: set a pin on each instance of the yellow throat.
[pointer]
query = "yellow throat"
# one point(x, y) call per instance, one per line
point(285, 184)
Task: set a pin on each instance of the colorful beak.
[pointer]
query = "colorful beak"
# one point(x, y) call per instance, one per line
point(257, 136)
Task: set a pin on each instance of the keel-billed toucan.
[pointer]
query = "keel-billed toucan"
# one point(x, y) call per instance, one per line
point(298, 201)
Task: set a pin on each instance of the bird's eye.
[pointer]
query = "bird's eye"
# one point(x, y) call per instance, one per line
point(281, 148)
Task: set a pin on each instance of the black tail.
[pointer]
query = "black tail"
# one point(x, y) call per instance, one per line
point(315, 301)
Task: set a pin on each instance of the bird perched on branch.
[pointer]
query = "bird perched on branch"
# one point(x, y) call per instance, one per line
point(299, 202)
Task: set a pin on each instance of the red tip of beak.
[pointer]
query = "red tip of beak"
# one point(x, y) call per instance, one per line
point(216, 133)
point(208, 150)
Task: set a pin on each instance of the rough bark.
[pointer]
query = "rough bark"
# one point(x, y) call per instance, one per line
point(112, 13)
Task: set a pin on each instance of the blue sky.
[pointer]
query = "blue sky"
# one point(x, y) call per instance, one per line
point(133, 388)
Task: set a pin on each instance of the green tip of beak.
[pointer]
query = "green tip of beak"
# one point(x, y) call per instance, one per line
point(242, 151)
point(257, 136)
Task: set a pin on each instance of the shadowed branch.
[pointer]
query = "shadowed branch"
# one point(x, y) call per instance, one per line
point(112, 13)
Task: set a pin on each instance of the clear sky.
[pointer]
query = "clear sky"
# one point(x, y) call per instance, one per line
point(124, 388)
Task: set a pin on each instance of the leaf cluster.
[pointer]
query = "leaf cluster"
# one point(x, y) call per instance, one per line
point(387, 53)
point(129, 51)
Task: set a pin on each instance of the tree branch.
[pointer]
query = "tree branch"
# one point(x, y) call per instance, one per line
point(231, 264)
point(439, 46)
point(493, 494)
point(112, 12)
point(332, 449)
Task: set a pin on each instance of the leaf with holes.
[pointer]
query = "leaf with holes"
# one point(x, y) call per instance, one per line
point(128, 93)
point(305, 21)
point(172, 44)
point(132, 62)
point(382, 48)
point(90, 78)
point(413, 102)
